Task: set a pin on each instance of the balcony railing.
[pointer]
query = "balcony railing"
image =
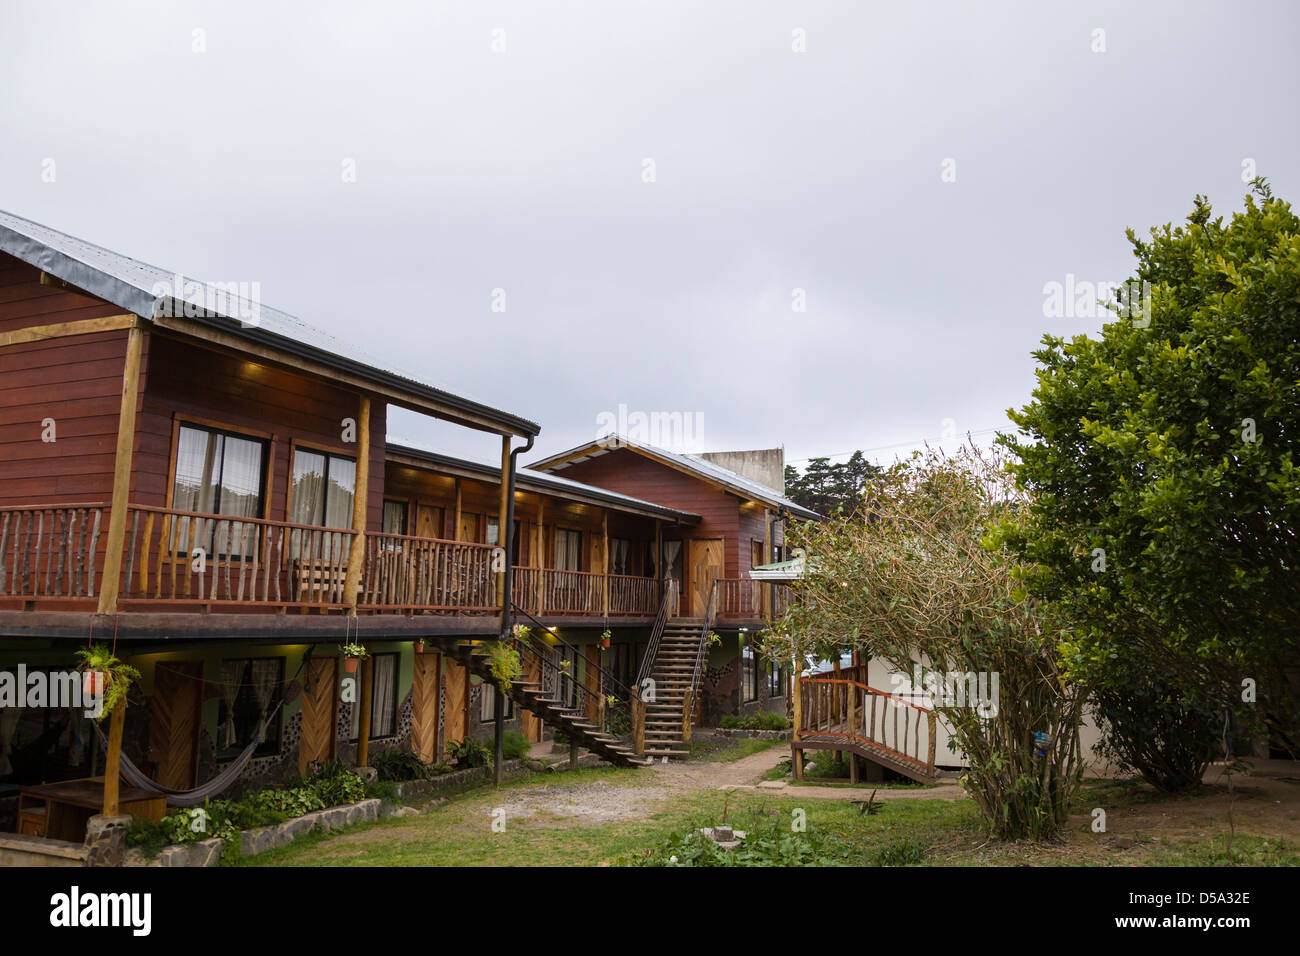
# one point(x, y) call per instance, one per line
point(53, 556)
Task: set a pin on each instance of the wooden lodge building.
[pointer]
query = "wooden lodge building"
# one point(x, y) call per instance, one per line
point(204, 484)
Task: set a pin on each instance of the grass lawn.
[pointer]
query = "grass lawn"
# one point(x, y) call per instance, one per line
point(612, 817)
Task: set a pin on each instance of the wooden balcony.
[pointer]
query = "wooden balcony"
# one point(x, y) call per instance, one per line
point(51, 559)
point(744, 600)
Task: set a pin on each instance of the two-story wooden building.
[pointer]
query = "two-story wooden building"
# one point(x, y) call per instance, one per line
point(204, 483)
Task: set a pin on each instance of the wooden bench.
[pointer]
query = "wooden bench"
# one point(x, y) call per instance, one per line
point(315, 584)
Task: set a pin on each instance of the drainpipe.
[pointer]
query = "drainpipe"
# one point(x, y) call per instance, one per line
point(508, 536)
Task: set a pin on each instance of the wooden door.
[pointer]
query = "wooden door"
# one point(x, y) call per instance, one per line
point(532, 724)
point(468, 530)
point(705, 564)
point(174, 717)
point(428, 522)
point(456, 713)
point(424, 707)
point(319, 712)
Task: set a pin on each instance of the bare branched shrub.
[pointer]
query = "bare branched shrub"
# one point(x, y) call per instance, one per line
point(919, 576)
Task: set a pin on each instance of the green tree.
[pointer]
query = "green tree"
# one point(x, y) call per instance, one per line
point(1157, 459)
point(830, 488)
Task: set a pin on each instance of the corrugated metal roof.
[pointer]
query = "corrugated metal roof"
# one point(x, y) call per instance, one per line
point(543, 480)
point(134, 285)
point(704, 468)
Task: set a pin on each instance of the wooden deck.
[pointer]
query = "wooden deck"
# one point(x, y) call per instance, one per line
point(845, 714)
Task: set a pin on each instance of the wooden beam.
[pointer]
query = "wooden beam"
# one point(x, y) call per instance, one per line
point(113, 760)
point(360, 498)
point(502, 511)
point(116, 540)
point(541, 555)
point(58, 330)
point(604, 549)
point(363, 722)
point(455, 526)
point(766, 586)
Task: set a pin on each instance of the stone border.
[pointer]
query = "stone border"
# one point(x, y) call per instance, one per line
point(737, 733)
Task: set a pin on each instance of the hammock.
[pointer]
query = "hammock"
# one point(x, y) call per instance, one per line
point(186, 798)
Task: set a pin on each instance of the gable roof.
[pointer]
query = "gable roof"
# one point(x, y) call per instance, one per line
point(131, 284)
point(529, 480)
point(691, 464)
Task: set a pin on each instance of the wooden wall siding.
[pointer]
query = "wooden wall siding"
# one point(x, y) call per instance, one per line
point(24, 302)
point(319, 731)
point(76, 380)
point(633, 474)
point(456, 710)
point(187, 381)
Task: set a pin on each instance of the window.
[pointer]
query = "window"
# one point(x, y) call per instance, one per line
point(748, 674)
point(649, 562)
point(250, 688)
point(624, 663)
point(620, 556)
point(394, 517)
point(322, 489)
point(568, 550)
point(493, 531)
point(488, 705)
point(775, 681)
point(217, 473)
point(383, 698)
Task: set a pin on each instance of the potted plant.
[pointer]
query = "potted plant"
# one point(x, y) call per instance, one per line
point(419, 646)
point(352, 654)
point(104, 674)
point(506, 665)
point(606, 636)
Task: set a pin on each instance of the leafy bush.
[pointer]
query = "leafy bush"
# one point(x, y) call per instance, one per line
point(766, 843)
point(514, 745)
point(763, 720)
point(335, 784)
point(385, 790)
point(1153, 730)
point(470, 752)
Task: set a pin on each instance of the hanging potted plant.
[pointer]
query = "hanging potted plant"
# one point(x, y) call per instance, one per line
point(352, 654)
point(419, 646)
point(105, 677)
point(605, 639)
point(506, 665)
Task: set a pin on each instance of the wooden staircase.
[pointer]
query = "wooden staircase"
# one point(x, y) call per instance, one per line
point(572, 722)
point(672, 673)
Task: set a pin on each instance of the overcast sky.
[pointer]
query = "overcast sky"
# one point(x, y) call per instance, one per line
point(382, 168)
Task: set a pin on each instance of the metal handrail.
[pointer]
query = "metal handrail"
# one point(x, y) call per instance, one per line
point(606, 675)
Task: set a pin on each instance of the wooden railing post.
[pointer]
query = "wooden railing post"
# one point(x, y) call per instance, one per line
point(360, 498)
point(929, 760)
point(117, 515)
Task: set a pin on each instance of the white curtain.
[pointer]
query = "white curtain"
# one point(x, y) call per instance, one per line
point(231, 674)
point(9, 717)
point(266, 673)
point(382, 701)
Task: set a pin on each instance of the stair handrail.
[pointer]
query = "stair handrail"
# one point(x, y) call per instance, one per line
point(652, 648)
point(806, 728)
point(607, 677)
point(706, 627)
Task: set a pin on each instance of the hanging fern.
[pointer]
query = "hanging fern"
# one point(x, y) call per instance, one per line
point(117, 675)
point(506, 665)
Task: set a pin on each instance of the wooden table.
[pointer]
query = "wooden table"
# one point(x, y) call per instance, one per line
point(59, 811)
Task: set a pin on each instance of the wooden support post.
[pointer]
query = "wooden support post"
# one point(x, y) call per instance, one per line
point(499, 735)
point(115, 543)
point(853, 767)
point(455, 527)
point(363, 728)
point(796, 691)
point(766, 600)
point(930, 749)
point(503, 510)
point(541, 554)
point(604, 571)
point(638, 723)
point(113, 761)
point(360, 498)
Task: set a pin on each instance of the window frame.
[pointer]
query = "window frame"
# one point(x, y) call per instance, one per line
point(748, 674)
point(329, 454)
point(274, 729)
